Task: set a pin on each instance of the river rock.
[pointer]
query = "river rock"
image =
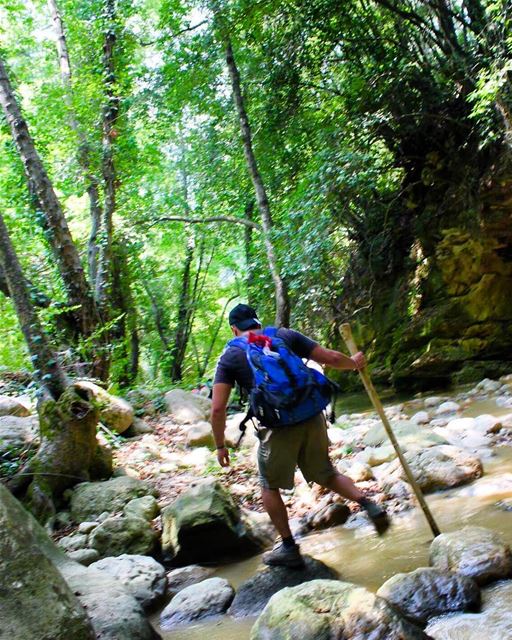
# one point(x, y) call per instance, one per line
point(146, 508)
point(447, 407)
point(438, 467)
point(426, 592)
point(123, 534)
point(487, 423)
point(253, 594)
point(330, 515)
point(202, 600)
point(90, 499)
point(178, 579)
point(474, 552)
point(84, 556)
point(421, 417)
point(375, 456)
point(493, 623)
point(35, 601)
point(12, 407)
point(16, 433)
point(205, 524)
point(113, 612)
point(186, 407)
point(142, 576)
point(488, 386)
point(73, 542)
point(324, 609)
point(432, 401)
point(200, 435)
point(409, 435)
point(115, 413)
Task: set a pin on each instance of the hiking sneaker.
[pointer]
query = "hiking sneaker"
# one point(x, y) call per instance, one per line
point(378, 516)
point(282, 556)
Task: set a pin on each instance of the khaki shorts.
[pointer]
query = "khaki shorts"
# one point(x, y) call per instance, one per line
point(304, 445)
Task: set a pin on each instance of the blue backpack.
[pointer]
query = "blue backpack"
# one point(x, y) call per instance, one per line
point(285, 390)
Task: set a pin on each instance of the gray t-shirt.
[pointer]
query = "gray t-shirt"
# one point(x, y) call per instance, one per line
point(233, 366)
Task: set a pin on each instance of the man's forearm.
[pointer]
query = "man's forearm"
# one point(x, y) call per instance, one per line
point(218, 426)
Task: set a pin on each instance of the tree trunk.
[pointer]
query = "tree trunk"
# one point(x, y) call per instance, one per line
point(58, 233)
point(179, 346)
point(281, 289)
point(110, 116)
point(68, 452)
point(84, 151)
point(249, 279)
point(47, 369)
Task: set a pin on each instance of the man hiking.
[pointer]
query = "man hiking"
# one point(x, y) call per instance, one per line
point(251, 360)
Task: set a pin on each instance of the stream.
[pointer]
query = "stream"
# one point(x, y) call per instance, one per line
point(361, 557)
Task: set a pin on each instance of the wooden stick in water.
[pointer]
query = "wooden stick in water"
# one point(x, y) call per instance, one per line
point(346, 332)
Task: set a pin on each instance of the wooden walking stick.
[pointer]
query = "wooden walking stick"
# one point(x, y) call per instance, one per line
point(346, 332)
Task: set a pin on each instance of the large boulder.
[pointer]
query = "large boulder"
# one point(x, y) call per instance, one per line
point(142, 576)
point(325, 609)
point(123, 534)
point(202, 600)
point(146, 508)
point(409, 434)
point(426, 592)
point(493, 623)
point(16, 433)
point(186, 407)
point(205, 525)
point(474, 552)
point(252, 595)
point(438, 467)
point(12, 407)
point(35, 600)
point(90, 499)
point(115, 413)
point(200, 435)
point(113, 612)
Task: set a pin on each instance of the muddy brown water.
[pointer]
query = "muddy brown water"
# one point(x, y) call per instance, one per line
point(361, 557)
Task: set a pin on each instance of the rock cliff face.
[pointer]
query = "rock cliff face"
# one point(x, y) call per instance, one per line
point(442, 311)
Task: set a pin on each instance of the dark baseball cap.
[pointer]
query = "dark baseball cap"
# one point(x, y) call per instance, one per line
point(243, 317)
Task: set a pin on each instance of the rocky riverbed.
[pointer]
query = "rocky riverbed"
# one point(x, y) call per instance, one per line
point(170, 504)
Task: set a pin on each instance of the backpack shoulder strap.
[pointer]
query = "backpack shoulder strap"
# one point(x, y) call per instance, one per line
point(271, 332)
point(239, 342)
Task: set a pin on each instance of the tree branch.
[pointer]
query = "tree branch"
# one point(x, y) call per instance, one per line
point(231, 219)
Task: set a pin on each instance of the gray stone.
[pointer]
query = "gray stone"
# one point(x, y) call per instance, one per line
point(123, 534)
point(206, 524)
point(140, 427)
point(325, 609)
point(474, 552)
point(432, 401)
point(115, 413)
point(493, 623)
point(186, 407)
point(35, 601)
point(178, 579)
point(16, 433)
point(142, 576)
point(253, 594)
point(12, 407)
point(113, 612)
point(146, 508)
point(84, 556)
point(330, 515)
point(438, 467)
point(426, 592)
point(200, 435)
point(73, 542)
point(202, 600)
point(447, 408)
point(421, 417)
point(91, 499)
point(87, 527)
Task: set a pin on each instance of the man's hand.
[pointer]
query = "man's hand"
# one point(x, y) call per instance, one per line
point(359, 361)
point(223, 457)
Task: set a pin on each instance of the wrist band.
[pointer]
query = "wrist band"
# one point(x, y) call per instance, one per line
point(221, 447)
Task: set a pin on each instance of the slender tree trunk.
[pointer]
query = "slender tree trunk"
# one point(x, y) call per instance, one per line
point(158, 316)
point(179, 345)
point(249, 279)
point(84, 151)
point(68, 452)
point(110, 116)
point(281, 289)
point(47, 369)
point(58, 233)
point(202, 368)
